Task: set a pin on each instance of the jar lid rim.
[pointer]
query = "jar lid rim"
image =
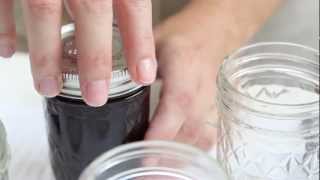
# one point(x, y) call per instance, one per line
point(120, 82)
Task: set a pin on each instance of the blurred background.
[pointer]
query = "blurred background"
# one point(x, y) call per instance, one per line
point(297, 21)
point(21, 107)
point(161, 10)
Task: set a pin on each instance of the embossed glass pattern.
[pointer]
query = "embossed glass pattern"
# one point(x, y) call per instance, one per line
point(4, 153)
point(269, 113)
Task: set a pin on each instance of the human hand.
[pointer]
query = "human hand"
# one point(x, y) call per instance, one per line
point(93, 20)
point(188, 64)
point(190, 48)
point(186, 112)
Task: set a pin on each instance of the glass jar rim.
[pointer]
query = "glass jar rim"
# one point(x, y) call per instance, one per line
point(123, 153)
point(223, 78)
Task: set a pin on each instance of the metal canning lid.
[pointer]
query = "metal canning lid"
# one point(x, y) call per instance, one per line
point(120, 83)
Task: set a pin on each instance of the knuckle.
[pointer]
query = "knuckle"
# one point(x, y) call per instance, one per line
point(99, 65)
point(39, 62)
point(96, 6)
point(137, 4)
point(184, 100)
point(206, 143)
point(190, 131)
point(42, 66)
point(8, 37)
point(180, 52)
point(186, 131)
point(44, 6)
point(148, 36)
point(175, 47)
point(99, 61)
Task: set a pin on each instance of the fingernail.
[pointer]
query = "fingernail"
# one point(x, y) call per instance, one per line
point(49, 87)
point(6, 51)
point(147, 70)
point(96, 93)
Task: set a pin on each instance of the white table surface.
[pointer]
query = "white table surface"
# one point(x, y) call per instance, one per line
point(21, 112)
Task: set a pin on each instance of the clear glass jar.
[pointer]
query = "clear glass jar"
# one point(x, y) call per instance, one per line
point(4, 153)
point(154, 160)
point(268, 99)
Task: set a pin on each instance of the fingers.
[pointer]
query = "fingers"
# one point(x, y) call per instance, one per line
point(190, 131)
point(7, 29)
point(186, 117)
point(135, 22)
point(94, 41)
point(207, 138)
point(166, 122)
point(43, 22)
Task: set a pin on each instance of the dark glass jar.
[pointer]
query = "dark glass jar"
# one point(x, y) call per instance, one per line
point(79, 133)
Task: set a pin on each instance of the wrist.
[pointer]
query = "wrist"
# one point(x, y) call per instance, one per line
point(197, 27)
point(209, 43)
point(221, 26)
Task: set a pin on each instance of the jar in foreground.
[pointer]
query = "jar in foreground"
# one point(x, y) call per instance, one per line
point(154, 160)
point(269, 113)
point(79, 133)
point(4, 153)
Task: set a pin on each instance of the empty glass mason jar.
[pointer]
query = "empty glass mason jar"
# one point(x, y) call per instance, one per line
point(4, 153)
point(154, 160)
point(269, 113)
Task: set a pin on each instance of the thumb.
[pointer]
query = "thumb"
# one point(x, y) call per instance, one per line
point(166, 122)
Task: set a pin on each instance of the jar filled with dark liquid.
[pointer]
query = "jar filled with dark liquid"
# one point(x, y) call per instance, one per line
point(79, 133)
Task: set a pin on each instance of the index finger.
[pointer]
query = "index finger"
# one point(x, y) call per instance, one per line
point(93, 20)
point(135, 22)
